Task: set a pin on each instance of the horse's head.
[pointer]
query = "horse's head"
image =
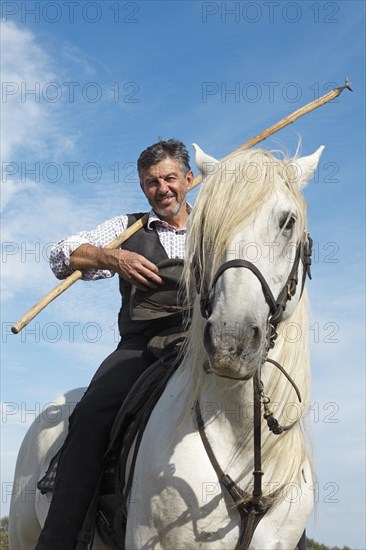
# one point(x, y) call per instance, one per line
point(248, 240)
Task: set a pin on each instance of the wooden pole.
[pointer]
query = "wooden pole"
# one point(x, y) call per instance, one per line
point(69, 281)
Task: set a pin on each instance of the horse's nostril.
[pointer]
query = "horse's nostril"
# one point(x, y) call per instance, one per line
point(256, 334)
point(251, 340)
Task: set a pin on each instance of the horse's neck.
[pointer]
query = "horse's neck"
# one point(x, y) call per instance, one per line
point(227, 412)
point(227, 401)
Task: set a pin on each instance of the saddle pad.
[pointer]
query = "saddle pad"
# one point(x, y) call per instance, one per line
point(47, 483)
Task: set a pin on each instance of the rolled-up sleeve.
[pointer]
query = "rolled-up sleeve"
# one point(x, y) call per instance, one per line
point(100, 237)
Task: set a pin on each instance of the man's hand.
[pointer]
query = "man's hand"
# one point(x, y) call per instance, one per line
point(136, 269)
point(133, 267)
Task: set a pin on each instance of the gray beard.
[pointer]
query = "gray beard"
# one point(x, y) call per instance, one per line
point(164, 214)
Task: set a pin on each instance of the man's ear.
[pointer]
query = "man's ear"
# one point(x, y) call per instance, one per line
point(189, 180)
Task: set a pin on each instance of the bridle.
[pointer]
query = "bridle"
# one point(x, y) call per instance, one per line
point(276, 307)
point(252, 509)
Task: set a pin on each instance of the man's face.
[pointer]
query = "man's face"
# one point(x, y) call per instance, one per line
point(166, 187)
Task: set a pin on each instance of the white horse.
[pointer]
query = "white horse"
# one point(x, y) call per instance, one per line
point(249, 208)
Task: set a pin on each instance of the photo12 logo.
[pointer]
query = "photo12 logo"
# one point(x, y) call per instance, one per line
point(270, 12)
point(269, 92)
point(68, 172)
point(69, 92)
point(71, 12)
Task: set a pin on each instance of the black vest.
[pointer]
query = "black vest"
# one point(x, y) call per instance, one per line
point(145, 242)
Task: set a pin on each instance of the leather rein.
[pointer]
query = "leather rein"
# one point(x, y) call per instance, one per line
point(252, 508)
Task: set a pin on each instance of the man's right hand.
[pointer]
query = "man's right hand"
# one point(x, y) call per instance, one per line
point(133, 267)
point(136, 269)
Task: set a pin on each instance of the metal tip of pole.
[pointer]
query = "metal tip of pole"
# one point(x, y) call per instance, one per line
point(347, 84)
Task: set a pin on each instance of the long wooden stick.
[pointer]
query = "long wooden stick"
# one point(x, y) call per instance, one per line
point(69, 281)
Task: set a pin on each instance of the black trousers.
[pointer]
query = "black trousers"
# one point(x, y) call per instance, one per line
point(81, 460)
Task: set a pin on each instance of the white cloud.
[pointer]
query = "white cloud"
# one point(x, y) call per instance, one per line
point(81, 61)
point(9, 188)
point(25, 67)
point(36, 212)
point(32, 128)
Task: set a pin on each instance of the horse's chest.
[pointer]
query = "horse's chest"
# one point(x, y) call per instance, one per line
point(181, 503)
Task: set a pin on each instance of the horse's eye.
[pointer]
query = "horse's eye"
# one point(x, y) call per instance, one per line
point(287, 222)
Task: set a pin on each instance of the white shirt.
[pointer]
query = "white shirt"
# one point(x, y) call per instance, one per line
point(172, 239)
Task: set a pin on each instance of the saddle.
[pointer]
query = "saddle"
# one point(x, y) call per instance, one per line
point(108, 509)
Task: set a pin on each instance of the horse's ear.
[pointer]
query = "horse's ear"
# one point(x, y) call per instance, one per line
point(205, 164)
point(306, 166)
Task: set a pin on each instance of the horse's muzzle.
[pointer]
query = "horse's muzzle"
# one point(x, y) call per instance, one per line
point(233, 346)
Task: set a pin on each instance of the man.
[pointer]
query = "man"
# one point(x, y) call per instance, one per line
point(165, 177)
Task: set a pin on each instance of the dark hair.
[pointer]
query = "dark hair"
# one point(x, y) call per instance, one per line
point(161, 150)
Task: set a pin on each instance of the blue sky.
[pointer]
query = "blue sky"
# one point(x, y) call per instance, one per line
point(108, 79)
